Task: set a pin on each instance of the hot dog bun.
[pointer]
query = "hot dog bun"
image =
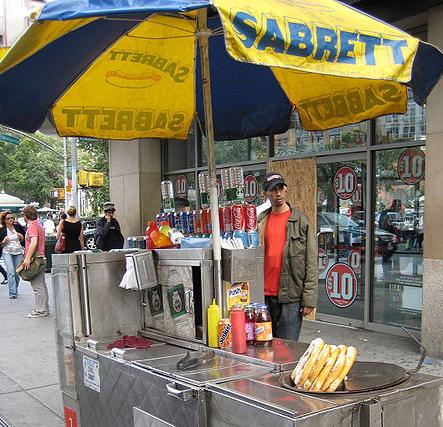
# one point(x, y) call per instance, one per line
point(351, 354)
point(321, 378)
point(319, 364)
point(336, 369)
point(301, 363)
point(303, 374)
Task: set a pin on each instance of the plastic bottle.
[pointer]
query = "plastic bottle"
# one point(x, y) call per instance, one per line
point(152, 226)
point(238, 325)
point(250, 324)
point(160, 239)
point(214, 316)
point(263, 327)
point(164, 228)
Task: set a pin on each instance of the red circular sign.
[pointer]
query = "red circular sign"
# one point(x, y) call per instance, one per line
point(345, 182)
point(411, 166)
point(251, 188)
point(181, 186)
point(323, 260)
point(354, 259)
point(341, 285)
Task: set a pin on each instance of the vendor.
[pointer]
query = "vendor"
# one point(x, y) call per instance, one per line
point(291, 271)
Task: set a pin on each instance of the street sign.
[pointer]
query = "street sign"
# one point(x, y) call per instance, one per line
point(5, 137)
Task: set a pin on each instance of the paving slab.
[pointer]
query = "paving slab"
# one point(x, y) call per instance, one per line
point(49, 396)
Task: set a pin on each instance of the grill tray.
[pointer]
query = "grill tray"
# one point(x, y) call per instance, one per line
point(362, 378)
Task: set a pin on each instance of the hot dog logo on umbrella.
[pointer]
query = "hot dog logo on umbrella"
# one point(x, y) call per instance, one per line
point(131, 81)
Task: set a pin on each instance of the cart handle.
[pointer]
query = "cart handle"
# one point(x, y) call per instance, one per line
point(422, 350)
point(185, 394)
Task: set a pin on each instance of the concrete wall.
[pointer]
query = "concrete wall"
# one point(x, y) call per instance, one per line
point(134, 175)
point(432, 320)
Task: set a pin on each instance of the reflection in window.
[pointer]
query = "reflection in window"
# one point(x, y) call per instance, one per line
point(297, 140)
point(410, 126)
point(239, 150)
point(184, 187)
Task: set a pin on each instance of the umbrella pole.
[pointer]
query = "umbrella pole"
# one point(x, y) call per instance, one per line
point(203, 35)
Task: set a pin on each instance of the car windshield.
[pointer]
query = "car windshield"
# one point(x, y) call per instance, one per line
point(341, 220)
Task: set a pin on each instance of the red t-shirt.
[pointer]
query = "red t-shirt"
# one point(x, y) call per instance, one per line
point(34, 229)
point(275, 239)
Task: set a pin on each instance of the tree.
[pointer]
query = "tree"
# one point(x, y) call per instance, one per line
point(29, 170)
point(93, 155)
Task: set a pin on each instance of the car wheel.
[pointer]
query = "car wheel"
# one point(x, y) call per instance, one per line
point(90, 242)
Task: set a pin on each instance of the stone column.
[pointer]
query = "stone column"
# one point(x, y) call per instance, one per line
point(134, 176)
point(432, 318)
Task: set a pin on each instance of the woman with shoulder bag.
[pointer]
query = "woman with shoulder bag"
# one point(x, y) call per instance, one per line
point(72, 229)
point(12, 240)
point(35, 253)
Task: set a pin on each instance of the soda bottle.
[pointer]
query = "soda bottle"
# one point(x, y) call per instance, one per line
point(250, 324)
point(237, 184)
point(167, 191)
point(203, 219)
point(191, 223)
point(263, 327)
point(177, 222)
point(238, 329)
point(152, 226)
point(227, 221)
point(251, 225)
point(197, 223)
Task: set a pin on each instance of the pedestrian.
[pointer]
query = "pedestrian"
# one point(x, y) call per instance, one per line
point(290, 271)
point(72, 228)
point(12, 240)
point(49, 225)
point(107, 232)
point(35, 246)
point(2, 270)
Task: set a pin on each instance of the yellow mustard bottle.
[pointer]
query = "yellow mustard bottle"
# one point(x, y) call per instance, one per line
point(214, 316)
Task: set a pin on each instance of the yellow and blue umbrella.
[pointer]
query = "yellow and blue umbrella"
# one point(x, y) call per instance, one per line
point(125, 70)
point(122, 69)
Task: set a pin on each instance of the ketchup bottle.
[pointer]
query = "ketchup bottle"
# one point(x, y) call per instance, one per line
point(238, 329)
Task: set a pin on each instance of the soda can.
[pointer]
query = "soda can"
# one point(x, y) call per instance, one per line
point(220, 220)
point(202, 217)
point(208, 223)
point(227, 218)
point(197, 223)
point(184, 222)
point(250, 217)
point(171, 219)
point(224, 333)
point(159, 219)
point(191, 223)
point(238, 218)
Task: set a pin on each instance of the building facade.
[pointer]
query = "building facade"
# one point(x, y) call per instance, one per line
point(379, 198)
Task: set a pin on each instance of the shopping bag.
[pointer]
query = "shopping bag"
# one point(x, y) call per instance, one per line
point(60, 246)
point(38, 264)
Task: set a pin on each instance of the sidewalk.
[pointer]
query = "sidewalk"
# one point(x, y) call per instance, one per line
point(29, 386)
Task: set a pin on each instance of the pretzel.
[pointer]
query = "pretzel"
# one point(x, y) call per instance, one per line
point(321, 378)
point(351, 354)
point(319, 364)
point(336, 369)
point(303, 374)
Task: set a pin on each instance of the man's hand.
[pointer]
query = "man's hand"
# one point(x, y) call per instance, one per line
point(306, 310)
point(26, 263)
point(108, 217)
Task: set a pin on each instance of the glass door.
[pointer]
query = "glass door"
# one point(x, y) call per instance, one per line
point(341, 232)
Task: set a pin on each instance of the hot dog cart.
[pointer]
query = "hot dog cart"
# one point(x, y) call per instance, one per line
point(178, 380)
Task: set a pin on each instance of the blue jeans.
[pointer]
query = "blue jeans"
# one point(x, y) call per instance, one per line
point(12, 262)
point(286, 318)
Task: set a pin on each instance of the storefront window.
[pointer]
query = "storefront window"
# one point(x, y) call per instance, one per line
point(184, 187)
point(341, 238)
point(297, 140)
point(240, 150)
point(398, 236)
point(410, 126)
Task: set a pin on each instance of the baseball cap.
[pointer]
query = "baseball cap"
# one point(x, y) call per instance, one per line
point(108, 206)
point(272, 179)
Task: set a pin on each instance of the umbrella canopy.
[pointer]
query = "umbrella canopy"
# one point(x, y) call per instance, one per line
point(124, 70)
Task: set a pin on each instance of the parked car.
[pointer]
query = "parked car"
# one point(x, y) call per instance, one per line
point(350, 233)
point(89, 236)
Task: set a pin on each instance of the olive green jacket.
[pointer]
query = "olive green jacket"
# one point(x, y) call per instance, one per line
point(299, 273)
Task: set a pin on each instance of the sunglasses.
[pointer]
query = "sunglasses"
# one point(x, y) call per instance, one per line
point(11, 217)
